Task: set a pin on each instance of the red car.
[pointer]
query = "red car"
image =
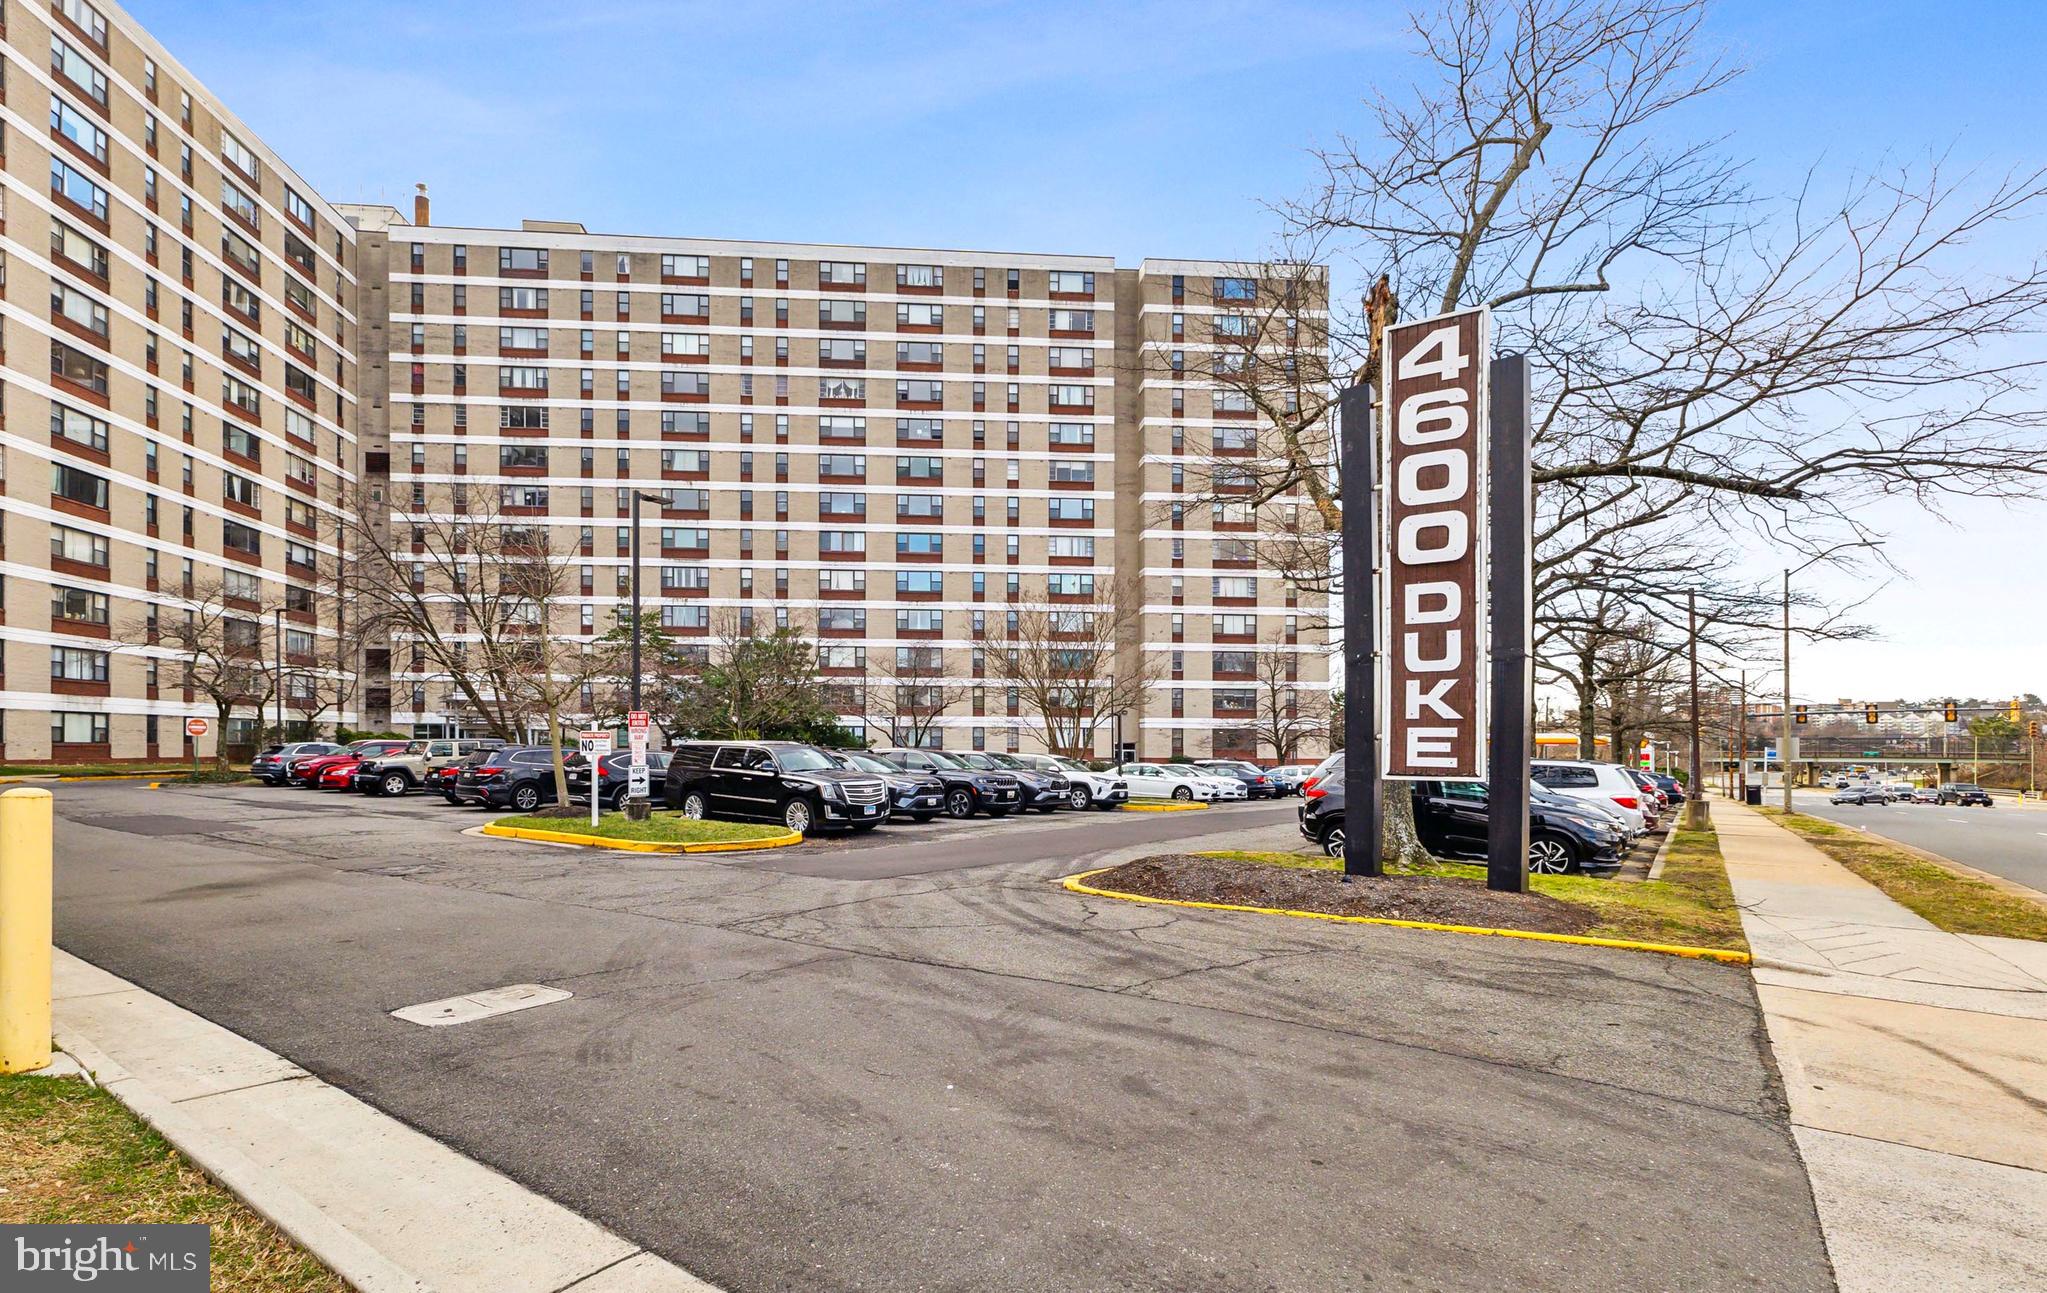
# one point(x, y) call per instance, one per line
point(338, 774)
point(307, 772)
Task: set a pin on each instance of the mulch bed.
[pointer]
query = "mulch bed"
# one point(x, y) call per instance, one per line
point(1257, 884)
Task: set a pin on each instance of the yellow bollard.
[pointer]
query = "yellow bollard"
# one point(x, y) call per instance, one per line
point(24, 930)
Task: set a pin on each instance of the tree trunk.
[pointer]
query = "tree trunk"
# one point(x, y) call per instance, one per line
point(224, 708)
point(561, 776)
point(1399, 840)
point(1588, 696)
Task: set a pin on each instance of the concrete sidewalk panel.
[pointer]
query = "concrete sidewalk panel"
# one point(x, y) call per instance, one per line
point(1946, 1080)
point(181, 1055)
point(1905, 1220)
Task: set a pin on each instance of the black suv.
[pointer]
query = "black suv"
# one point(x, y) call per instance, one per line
point(967, 790)
point(615, 777)
point(1563, 834)
point(1042, 790)
point(518, 776)
point(798, 785)
point(917, 796)
point(1962, 793)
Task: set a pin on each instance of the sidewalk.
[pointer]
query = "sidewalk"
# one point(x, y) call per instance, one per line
point(1915, 1063)
point(388, 1209)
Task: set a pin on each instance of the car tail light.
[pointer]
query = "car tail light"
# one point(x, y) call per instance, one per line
point(1627, 801)
point(1313, 791)
point(481, 773)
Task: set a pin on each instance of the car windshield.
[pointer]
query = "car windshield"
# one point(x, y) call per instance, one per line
point(1966, 785)
point(1180, 770)
point(868, 763)
point(802, 759)
point(942, 759)
point(980, 761)
point(1009, 761)
point(1071, 765)
point(1222, 765)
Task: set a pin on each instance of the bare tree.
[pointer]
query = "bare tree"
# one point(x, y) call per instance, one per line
point(1063, 662)
point(909, 690)
point(1286, 713)
point(220, 635)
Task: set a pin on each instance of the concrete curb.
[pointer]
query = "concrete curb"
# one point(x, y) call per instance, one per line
point(1076, 884)
point(1174, 807)
point(326, 1136)
point(2011, 888)
point(782, 841)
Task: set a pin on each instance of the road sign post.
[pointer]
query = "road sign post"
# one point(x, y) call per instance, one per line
point(638, 785)
point(594, 746)
point(194, 729)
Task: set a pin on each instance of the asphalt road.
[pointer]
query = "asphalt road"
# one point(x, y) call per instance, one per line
point(783, 1074)
point(2006, 841)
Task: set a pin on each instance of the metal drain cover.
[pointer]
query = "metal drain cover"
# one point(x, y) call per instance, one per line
point(480, 1005)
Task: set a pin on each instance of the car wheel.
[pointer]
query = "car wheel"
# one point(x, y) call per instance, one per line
point(1183, 792)
point(1332, 842)
point(921, 818)
point(694, 806)
point(1549, 855)
point(526, 798)
point(960, 804)
point(451, 799)
point(1081, 800)
point(796, 816)
point(395, 784)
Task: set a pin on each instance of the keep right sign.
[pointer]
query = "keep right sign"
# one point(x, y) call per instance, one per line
point(1433, 464)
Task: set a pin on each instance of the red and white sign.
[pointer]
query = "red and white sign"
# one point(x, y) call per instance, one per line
point(636, 721)
point(1433, 472)
point(197, 727)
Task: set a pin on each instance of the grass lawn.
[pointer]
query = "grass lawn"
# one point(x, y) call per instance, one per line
point(93, 769)
point(660, 827)
point(69, 1152)
point(1691, 905)
point(1958, 903)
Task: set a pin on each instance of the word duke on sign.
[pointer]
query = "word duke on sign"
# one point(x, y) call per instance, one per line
point(1434, 474)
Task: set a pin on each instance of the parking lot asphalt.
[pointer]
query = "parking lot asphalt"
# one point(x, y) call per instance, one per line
point(2006, 841)
point(856, 1068)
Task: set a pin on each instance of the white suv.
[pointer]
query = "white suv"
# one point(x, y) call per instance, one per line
point(1085, 788)
point(1605, 784)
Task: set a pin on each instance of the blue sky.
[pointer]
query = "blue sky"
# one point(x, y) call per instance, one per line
point(1156, 127)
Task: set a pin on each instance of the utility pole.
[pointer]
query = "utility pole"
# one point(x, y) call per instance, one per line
point(277, 630)
point(1784, 719)
point(1741, 742)
point(1695, 800)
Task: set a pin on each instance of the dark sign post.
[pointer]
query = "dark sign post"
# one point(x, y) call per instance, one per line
point(1513, 678)
point(1434, 471)
point(1362, 845)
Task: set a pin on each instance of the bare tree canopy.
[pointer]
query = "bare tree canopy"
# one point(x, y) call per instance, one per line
point(1062, 662)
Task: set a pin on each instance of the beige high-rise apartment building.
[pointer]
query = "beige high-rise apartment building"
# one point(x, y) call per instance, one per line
point(178, 395)
point(893, 450)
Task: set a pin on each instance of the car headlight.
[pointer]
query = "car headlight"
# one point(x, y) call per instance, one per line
point(831, 790)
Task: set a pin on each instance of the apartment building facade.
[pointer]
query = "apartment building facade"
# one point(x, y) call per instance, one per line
point(178, 392)
point(891, 450)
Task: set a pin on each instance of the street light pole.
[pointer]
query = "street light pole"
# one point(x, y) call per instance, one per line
point(277, 631)
point(1695, 801)
point(1784, 719)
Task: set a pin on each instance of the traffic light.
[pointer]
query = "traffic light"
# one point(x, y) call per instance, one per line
point(1951, 713)
point(2013, 712)
point(2033, 729)
point(1869, 713)
point(1798, 714)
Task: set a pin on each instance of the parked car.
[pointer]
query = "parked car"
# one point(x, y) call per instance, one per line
point(1085, 788)
point(273, 764)
point(1605, 782)
point(1289, 776)
point(1564, 834)
point(1043, 791)
point(967, 790)
point(336, 774)
point(517, 776)
point(1870, 794)
point(918, 796)
point(442, 780)
point(1227, 787)
point(798, 785)
point(615, 777)
point(1963, 793)
point(411, 767)
point(1152, 781)
point(1673, 791)
point(1258, 784)
point(304, 770)
point(1925, 795)
point(1649, 788)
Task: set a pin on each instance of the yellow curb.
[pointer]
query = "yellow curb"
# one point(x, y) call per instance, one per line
point(84, 776)
point(1174, 807)
point(781, 841)
point(1073, 883)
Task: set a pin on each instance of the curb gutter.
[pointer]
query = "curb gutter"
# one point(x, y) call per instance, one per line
point(783, 841)
point(1174, 807)
point(1077, 884)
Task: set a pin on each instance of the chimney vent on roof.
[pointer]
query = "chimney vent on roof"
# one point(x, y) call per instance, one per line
point(419, 206)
